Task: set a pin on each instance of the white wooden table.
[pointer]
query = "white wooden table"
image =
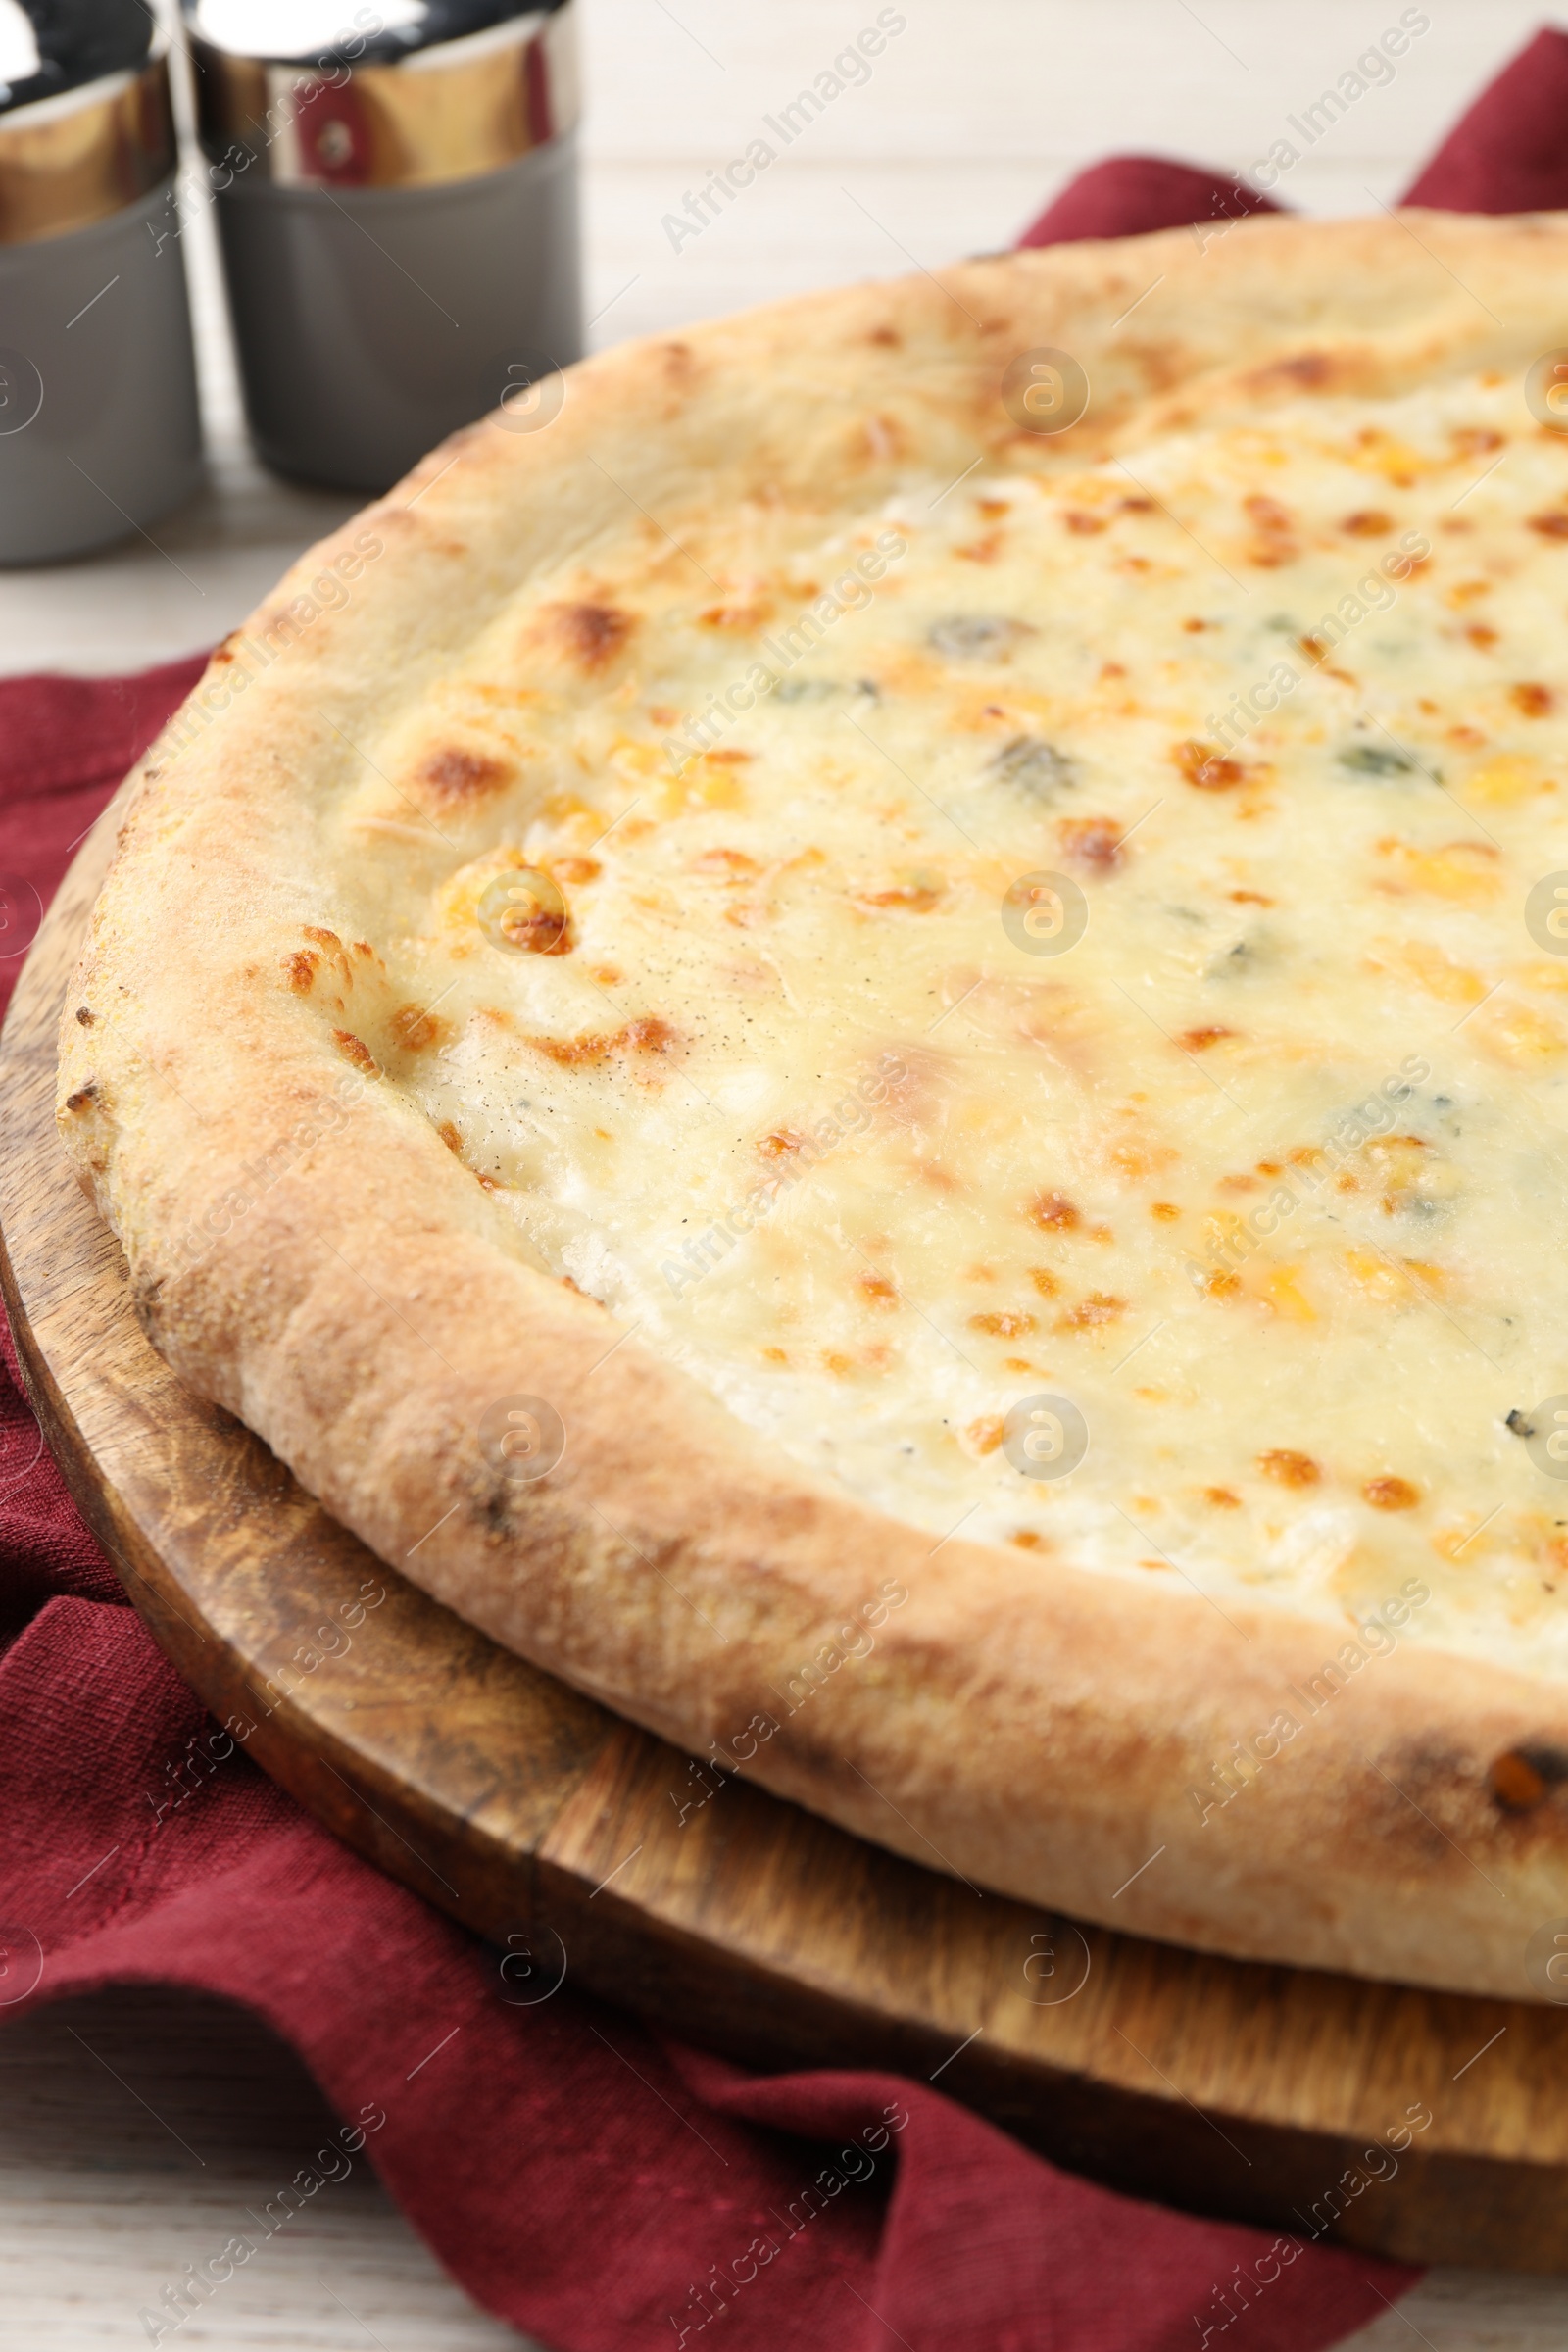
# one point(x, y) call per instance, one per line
point(971, 118)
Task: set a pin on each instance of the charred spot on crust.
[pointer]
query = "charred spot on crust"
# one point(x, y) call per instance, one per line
point(589, 634)
point(1520, 1424)
point(454, 775)
point(1311, 370)
point(82, 1096)
point(354, 1049)
point(1522, 1777)
point(84, 1016)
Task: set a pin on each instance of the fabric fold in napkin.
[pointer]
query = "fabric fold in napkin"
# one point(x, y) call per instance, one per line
point(784, 2213)
point(1508, 153)
point(1132, 195)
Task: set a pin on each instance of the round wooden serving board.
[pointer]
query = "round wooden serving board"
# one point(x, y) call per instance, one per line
point(533, 1814)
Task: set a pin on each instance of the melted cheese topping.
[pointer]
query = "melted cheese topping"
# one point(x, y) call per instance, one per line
point(1263, 1173)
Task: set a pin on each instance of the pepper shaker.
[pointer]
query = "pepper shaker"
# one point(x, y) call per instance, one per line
point(99, 426)
point(397, 206)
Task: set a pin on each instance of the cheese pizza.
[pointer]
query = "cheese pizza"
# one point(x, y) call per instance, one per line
point(868, 1044)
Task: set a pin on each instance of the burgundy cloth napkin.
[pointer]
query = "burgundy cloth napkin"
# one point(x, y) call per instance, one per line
point(585, 2177)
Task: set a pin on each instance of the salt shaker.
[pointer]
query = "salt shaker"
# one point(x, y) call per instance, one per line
point(396, 201)
point(99, 428)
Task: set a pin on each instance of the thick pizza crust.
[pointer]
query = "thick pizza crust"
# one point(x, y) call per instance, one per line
point(1029, 1726)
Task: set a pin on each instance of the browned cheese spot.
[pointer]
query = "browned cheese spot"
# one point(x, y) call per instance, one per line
point(1390, 1494)
point(1274, 543)
point(1003, 1326)
point(1198, 1041)
point(413, 1028)
point(1287, 1468)
point(1367, 523)
point(914, 897)
point(1550, 527)
point(730, 865)
point(648, 1036)
point(1093, 844)
point(1206, 768)
point(1089, 1313)
point(1055, 1212)
point(1532, 699)
point(301, 968)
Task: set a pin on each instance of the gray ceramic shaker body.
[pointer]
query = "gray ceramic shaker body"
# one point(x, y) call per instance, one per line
point(374, 322)
point(99, 428)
